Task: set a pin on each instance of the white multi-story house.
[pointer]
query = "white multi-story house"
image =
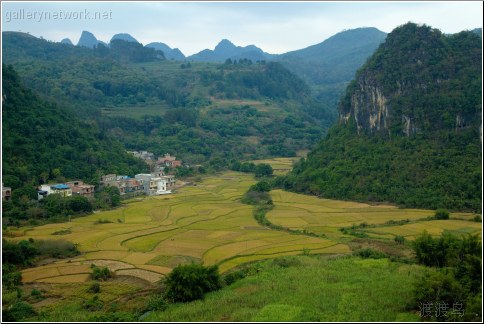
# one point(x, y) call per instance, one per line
point(152, 185)
point(60, 188)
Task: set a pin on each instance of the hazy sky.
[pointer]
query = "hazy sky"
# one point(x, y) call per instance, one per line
point(276, 27)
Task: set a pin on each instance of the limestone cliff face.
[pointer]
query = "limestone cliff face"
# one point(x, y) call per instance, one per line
point(418, 80)
point(369, 107)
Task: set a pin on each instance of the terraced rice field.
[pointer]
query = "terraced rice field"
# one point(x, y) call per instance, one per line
point(146, 239)
point(325, 216)
point(206, 223)
point(281, 166)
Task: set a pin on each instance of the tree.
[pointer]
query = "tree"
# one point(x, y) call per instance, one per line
point(190, 282)
point(263, 170)
point(441, 214)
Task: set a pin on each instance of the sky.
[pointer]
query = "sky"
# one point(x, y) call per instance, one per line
point(276, 27)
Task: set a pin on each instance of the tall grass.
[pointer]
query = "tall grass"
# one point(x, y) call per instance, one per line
point(314, 289)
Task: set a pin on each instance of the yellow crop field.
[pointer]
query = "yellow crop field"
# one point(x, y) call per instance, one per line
point(279, 165)
point(325, 216)
point(205, 222)
point(435, 227)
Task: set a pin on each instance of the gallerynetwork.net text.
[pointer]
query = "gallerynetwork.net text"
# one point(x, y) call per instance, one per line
point(40, 16)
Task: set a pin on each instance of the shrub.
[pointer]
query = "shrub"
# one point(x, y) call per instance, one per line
point(370, 254)
point(438, 288)
point(263, 170)
point(441, 214)
point(400, 239)
point(101, 274)
point(261, 186)
point(11, 277)
point(93, 304)
point(18, 312)
point(156, 303)
point(95, 288)
point(286, 262)
point(36, 293)
point(190, 282)
point(234, 276)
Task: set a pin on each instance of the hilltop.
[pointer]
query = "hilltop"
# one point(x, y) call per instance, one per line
point(409, 126)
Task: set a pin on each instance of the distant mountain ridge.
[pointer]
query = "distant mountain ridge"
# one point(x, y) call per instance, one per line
point(170, 54)
point(125, 37)
point(88, 40)
point(225, 49)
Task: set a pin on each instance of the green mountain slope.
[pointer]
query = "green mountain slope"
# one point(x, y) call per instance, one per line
point(410, 126)
point(329, 66)
point(39, 137)
point(198, 111)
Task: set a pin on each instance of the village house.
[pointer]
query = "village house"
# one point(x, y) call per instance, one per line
point(152, 185)
point(48, 189)
point(169, 161)
point(144, 155)
point(80, 188)
point(170, 180)
point(124, 183)
point(6, 193)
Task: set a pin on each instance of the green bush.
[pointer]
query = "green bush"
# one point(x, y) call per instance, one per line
point(234, 276)
point(18, 312)
point(11, 277)
point(400, 239)
point(370, 254)
point(95, 288)
point(36, 293)
point(101, 274)
point(263, 170)
point(156, 303)
point(438, 288)
point(190, 282)
point(93, 304)
point(441, 214)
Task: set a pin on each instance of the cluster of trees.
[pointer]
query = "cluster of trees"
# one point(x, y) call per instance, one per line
point(24, 208)
point(18, 255)
point(260, 170)
point(191, 282)
point(457, 281)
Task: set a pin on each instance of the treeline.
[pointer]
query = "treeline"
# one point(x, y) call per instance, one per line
point(439, 171)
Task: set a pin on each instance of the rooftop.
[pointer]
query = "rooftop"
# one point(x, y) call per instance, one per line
point(60, 186)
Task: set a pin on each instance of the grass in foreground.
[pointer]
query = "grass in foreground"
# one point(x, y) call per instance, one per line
point(308, 289)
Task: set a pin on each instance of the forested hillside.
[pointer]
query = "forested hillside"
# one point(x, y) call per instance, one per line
point(199, 111)
point(43, 141)
point(329, 66)
point(410, 126)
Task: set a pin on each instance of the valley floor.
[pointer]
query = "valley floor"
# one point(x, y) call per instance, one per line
point(206, 223)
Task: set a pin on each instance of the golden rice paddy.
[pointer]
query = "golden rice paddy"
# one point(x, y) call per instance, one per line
point(207, 223)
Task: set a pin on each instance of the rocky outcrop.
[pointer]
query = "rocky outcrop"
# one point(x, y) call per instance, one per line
point(369, 107)
point(412, 84)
